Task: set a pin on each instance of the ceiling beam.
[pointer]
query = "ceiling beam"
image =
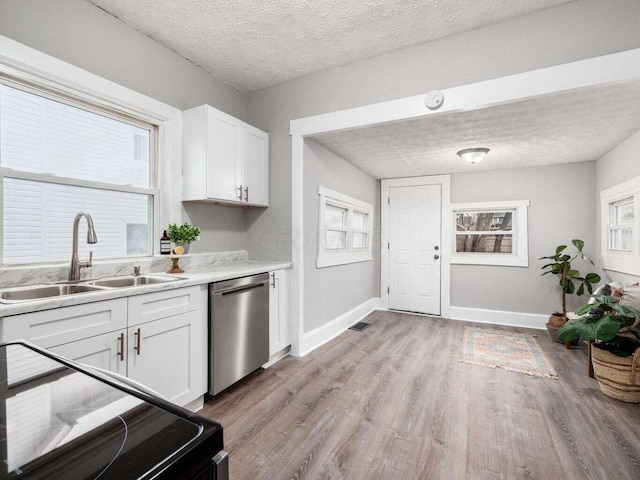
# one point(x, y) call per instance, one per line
point(593, 72)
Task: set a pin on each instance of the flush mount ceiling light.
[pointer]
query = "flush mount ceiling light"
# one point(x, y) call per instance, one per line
point(473, 155)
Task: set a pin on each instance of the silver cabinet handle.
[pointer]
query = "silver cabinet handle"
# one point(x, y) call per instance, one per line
point(246, 194)
point(273, 277)
point(121, 352)
point(137, 345)
point(240, 192)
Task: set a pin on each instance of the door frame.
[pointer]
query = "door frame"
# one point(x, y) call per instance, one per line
point(445, 235)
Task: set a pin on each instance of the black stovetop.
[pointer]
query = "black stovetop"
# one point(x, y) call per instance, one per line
point(61, 421)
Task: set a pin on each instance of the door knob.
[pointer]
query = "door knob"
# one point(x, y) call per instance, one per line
point(436, 256)
point(436, 247)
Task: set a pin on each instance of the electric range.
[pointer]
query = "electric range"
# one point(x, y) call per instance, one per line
point(61, 420)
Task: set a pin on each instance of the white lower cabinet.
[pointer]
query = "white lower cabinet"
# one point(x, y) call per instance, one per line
point(106, 351)
point(279, 333)
point(163, 356)
point(167, 353)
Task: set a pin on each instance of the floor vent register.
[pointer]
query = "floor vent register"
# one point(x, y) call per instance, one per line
point(358, 327)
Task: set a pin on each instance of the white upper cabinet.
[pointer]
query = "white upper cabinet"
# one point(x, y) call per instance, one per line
point(224, 159)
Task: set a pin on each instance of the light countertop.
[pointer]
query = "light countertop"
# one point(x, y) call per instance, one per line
point(195, 276)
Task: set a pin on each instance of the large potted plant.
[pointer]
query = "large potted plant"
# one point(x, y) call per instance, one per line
point(616, 346)
point(183, 235)
point(571, 281)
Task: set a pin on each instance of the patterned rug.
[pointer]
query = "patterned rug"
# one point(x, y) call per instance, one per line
point(518, 352)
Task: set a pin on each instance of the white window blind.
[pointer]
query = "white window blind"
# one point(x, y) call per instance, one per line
point(59, 158)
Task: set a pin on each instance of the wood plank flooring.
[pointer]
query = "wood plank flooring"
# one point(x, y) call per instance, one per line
point(395, 402)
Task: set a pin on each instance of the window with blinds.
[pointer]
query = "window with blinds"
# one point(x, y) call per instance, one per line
point(58, 157)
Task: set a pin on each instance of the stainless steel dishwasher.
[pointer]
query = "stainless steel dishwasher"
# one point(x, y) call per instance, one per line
point(238, 329)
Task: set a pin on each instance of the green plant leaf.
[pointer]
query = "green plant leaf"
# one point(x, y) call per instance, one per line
point(569, 332)
point(560, 249)
point(580, 290)
point(584, 309)
point(573, 273)
point(606, 328)
point(569, 286)
point(592, 277)
point(579, 244)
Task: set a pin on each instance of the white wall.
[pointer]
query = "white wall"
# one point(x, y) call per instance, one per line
point(85, 36)
point(332, 291)
point(562, 200)
point(616, 166)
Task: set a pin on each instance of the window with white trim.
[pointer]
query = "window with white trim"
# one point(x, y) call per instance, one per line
point(344, 229)
point(490, 233)
point(619, 226)
point(59, 156)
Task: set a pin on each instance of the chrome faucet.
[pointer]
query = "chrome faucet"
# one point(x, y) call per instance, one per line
point(74, 269)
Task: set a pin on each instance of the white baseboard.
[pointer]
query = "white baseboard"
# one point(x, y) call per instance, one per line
point(276, 357)
point(196, 404)
point(321, 335)
point(499, 317)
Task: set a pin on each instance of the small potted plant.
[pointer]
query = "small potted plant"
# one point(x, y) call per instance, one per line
point(569, 279)
point(616, 352)
point(183, 235)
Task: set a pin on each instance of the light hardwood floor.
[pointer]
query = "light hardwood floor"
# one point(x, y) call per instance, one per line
point(395, 402)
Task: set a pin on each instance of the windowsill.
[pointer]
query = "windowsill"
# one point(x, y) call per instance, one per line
point(621, 263)
point(498, 260)
point(341, 260)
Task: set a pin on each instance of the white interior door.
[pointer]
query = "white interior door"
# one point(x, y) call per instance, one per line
point(414, 248)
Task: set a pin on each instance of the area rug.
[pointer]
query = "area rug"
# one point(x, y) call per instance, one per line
point(518, 352)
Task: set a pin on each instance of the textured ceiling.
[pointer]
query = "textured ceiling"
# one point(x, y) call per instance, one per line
point(569, 127)
point(253, 44)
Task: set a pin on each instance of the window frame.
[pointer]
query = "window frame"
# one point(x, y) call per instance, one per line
point(519, 234)
point(620, 260)
point(332, 257)
point(30, 68)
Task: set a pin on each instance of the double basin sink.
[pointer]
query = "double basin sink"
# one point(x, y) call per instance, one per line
point(37, 292)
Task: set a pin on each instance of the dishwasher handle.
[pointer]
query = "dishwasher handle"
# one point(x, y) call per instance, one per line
point(244, 288)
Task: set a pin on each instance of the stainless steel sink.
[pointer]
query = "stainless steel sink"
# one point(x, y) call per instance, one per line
point(132, 281)
point(37, 292)
point(29, 293)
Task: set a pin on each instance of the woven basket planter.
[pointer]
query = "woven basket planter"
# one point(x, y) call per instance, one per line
point(618, 376)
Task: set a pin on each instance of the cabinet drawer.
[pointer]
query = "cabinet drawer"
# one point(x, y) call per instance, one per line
point(153, 306)
point(66, 324)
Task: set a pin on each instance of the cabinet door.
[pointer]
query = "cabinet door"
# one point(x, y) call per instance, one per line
point(154, 306)
point(224, 154)
point(255, 167)
point(105, 351)
point(279, 333)
point(49, 328)
point(166, 355)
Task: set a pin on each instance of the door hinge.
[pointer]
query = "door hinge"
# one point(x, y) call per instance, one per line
point(389, 246)
point(388, 290)
point(388, 200)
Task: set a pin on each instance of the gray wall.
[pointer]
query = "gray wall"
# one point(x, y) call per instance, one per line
point(616, 166)
point(578, 30)
point(81, 34)
point(331, 291)
point(575, 31)
point(561, 208)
